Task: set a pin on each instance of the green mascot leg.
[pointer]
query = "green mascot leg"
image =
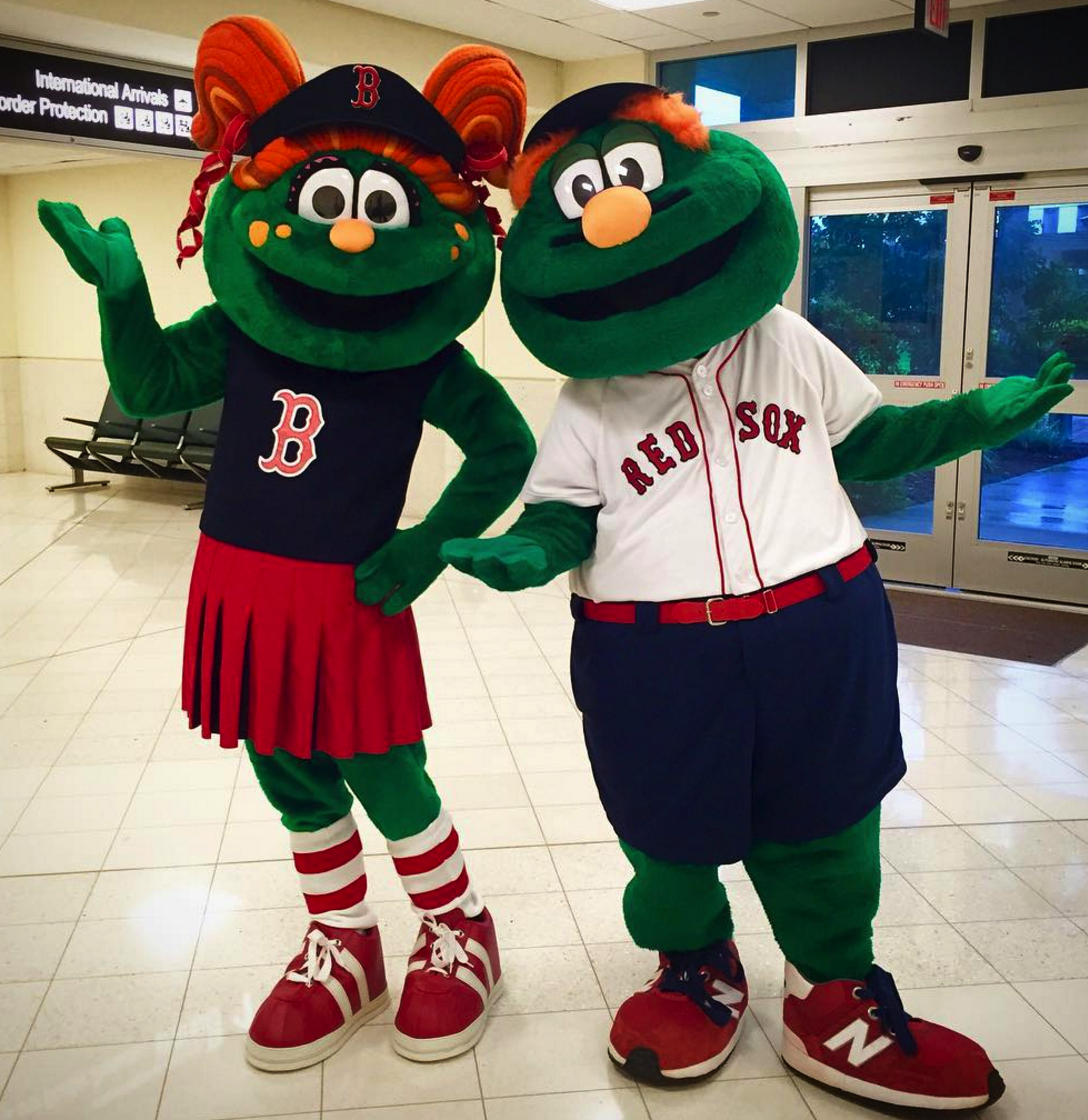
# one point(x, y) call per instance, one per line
point(314, 796)
point(308, 793)
point(821, 898)
point(312, 793)
point(673, 907)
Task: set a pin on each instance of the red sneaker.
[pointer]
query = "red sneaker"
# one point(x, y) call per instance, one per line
point(854, 1035)
point(453, 977)
point(686, 1021)
point(330, 989)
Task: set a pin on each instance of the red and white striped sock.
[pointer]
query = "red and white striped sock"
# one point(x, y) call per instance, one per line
point(432, 869)
point(330, 868)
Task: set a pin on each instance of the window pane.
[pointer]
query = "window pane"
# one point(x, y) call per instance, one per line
point(730, 88)
point(1034, 52)
point(1039, 288)
point(892, 68)
point(1035, 488)
point(876, 288)
point(903, 504)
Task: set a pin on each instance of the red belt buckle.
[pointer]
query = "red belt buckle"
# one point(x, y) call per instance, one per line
point(709, 615)
point(770, 603)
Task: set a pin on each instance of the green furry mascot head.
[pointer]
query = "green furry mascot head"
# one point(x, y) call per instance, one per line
point(353, 230)
point(642, 238)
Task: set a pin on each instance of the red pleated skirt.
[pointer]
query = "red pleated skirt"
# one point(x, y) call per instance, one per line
point(280, 652)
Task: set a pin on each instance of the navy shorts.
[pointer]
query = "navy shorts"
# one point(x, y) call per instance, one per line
point(704, 739)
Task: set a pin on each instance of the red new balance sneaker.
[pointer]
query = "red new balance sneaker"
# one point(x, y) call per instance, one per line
point(686, 1021)
point(854, 1035)
point(330, 989)
point(453, 978)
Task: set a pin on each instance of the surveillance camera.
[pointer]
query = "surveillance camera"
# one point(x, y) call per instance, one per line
point(969, 152)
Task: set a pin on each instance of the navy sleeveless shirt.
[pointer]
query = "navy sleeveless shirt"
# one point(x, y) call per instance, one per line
point(313, 463)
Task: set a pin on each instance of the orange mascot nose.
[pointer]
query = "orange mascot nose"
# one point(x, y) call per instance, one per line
point(351, 235)
point(615, 216)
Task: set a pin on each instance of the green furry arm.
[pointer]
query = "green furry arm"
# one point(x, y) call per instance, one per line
point(894, 441)
point(474, 410)
point(546, 540)
point(152, 371)
point(155, 371)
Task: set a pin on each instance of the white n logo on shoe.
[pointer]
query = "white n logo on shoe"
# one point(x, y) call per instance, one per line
point(857, 1034)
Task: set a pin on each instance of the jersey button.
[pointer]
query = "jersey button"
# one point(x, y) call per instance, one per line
point(700, 371)
point(730, 519)
point(707, 391)
point(720, 461)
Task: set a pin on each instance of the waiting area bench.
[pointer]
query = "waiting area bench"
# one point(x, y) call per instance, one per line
point(176, 448)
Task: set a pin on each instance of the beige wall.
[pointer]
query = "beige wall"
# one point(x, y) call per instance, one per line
point(11, 419)
point(323, 34)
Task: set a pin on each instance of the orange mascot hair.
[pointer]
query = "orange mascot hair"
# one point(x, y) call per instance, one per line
point(244, 65)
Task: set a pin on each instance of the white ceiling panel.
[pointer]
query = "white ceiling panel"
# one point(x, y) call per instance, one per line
point(555, 9)
point(497, 23)
point(734, 20)
point(617, 25)
point(828, 13)
point(667, 40)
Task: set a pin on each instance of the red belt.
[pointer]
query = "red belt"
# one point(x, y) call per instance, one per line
point(720, 610)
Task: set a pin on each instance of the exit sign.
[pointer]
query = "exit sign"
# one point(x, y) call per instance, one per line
point(932, 16)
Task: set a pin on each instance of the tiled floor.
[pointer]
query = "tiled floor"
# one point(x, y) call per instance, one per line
point(145, 904)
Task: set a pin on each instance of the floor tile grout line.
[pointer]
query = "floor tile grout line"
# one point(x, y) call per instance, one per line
point(532, 806)
point(97, 876)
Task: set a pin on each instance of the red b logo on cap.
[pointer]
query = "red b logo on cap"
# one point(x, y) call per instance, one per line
point(367, 95)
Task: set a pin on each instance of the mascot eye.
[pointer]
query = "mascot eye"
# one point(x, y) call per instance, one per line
point(327, 195)
point(577, 185)
point(383, 201)
point(637, 164)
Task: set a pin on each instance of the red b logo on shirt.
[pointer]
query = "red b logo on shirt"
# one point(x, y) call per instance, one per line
point(288, 433)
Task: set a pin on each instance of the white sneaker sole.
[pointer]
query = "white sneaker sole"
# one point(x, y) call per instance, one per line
point(450, 1045)
point(797, 1057)
point(685, 1073)
point(280, 1059)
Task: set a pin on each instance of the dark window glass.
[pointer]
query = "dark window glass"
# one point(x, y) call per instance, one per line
point(730, 88)
point(1035, 52)
point(893, 68)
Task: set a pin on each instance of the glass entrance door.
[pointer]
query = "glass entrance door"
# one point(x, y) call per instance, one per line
point(885, 280)
point(1023, 523)
point(937, 294)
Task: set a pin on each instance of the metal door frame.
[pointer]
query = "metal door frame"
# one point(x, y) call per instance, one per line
point(917, 557)
point(994, 566)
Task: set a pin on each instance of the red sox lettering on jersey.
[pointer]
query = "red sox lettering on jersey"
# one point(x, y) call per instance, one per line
point(289, 433)
point(780, 426)
point(715, 476)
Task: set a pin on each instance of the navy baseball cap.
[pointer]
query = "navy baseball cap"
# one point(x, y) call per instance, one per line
point(585, 108)
point(365, 96)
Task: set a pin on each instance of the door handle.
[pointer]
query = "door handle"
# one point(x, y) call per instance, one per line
point(948, 510)
point(961, 511)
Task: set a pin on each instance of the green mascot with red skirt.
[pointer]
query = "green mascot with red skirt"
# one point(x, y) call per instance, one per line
point(346, 251)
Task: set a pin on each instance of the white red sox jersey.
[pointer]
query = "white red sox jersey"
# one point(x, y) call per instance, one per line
point(714, 476)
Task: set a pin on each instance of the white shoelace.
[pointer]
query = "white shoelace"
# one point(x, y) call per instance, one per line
point(321, 951)
point(446, 950)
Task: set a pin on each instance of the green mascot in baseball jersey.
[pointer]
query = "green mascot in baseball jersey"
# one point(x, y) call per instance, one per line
point(734, 656)
point(346, 252)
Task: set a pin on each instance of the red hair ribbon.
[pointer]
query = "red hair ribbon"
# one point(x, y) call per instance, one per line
point(214, 166)
point(481, 157)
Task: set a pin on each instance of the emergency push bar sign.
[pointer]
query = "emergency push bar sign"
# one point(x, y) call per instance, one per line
point(104, 101)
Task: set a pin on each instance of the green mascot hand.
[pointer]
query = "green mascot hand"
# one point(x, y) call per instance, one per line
point(1015, 403)
point(508, 563)
point(400, 571)
point(104, 257)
